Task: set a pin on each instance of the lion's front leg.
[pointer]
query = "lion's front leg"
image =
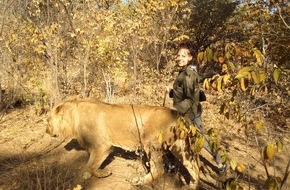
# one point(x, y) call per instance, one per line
point(156, 169)
point(97, 157)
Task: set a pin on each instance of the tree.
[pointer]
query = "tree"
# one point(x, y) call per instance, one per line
point(206, 23)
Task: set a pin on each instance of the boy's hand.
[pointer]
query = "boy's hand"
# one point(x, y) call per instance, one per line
point(172, 108)
point(167, 89)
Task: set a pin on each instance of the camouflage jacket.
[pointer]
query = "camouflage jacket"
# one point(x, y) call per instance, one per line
point(185, 92)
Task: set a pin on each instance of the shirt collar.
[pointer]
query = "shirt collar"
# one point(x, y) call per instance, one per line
point(192, 67)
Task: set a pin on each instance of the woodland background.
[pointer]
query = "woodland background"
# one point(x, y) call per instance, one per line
point(123, 51)
point(52, 49)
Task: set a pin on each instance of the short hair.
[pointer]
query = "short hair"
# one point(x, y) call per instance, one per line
point(188, 45)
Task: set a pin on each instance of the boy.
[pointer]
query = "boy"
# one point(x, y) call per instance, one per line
point(185, 94)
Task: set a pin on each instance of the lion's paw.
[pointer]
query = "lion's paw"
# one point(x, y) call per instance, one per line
point(86, 175)
point(137, 181)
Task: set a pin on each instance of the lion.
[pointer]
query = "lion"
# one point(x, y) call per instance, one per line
point(99, 127)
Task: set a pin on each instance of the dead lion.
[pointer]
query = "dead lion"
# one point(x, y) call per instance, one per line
point(99, 127)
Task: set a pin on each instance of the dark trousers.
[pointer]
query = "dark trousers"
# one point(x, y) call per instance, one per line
point(198, 123)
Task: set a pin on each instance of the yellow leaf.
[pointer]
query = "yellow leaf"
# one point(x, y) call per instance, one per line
point(243, 85)
point(255, 77)
point(225, 68)
point(262, 76)
point(204, 60)
point(276, 75)
point(259, 56)
point(233, 164)
point(227, 47)
point(246, 69)
point(221, 59)
point(245, 74)
point(228, 55)
point(223, 155)
point(265, 88)
point(209, 54)
point(205, 84)
point(231, 185)
point(214, 85)
point(239, 76)
point(182, 135)
point(226, 78)
point(199, 143)
point(269, 152)
point(192, 130)
point(215, 57)
point(241, 168)
point(200, 57)
point(181, 37)
point(279, 145)
point(179, 121)
point(259, 125)
point(213, 132)
point(219, 84)
point(253, 91)
point(272, 183)
point(231, 65)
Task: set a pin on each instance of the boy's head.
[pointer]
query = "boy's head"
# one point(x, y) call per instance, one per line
point(185, 54)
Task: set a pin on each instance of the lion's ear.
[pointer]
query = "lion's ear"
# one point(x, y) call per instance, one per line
point(58, 108)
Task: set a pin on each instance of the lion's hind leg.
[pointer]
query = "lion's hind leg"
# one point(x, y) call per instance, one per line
point(190, 171)
point(193, 171)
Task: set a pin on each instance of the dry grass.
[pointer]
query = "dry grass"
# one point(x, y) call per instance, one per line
point(25, 172)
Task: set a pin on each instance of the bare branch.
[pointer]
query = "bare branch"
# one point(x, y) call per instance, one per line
point(280, 14)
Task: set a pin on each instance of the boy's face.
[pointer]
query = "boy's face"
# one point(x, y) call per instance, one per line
point(183, 57)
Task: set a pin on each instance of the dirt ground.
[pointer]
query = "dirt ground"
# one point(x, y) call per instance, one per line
point(31, 159)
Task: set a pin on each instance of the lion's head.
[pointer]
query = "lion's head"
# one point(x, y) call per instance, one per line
point(60, 121)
